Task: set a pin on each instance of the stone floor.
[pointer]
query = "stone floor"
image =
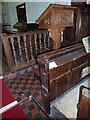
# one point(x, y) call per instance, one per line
point(67, 104)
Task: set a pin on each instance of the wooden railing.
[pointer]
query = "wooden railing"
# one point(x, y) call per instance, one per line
point(21, 49)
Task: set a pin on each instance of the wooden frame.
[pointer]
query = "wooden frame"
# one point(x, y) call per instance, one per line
point(18, 13)
point(21, 49)
point(83, 105)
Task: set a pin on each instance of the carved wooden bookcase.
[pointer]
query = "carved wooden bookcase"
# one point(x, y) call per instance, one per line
point(55, 19)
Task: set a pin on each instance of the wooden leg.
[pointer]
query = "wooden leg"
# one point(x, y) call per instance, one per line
point(46, 102)
point(55, 35)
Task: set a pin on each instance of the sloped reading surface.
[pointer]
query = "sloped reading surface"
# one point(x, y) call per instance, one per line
point(86, 43)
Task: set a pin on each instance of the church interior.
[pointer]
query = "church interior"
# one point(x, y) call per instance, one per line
point(45, 60)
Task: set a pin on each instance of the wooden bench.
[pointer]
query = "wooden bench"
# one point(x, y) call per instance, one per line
point(84, 103)
point(60, 70)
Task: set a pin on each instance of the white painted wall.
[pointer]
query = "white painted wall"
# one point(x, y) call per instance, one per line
point(34, 10)
point(88, 1)
point(63, 2)
point(12, 13)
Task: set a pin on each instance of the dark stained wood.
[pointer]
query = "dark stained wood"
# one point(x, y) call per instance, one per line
point(89, 60)
point(7, 50)
point(84, 103)
point(24, 26)
point(37, 75)
point(54, 72)
point(28, 46)
point(21, 12)
point(70, 62)
point(62, 84)
point(21, 48)
point(82, 19)
point(74, 34)
point(53, 90)
point(68, 36)
point(33, 45)
point(57, 53)
point(79, 3)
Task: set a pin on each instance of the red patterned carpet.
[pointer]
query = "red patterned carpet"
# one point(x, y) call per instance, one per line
point(23, 84)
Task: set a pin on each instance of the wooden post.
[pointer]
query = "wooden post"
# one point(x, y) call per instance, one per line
point(54, 33)
point(7, 49)
point(20, 51)
point(84, 103)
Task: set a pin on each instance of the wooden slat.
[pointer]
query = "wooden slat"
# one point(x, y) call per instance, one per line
point(47, 41)
point(23, 65)
point(33, 44)
point(40, 41)
point(44, 33)
point(7, 50)
point(14, 53)
point(30, 45)
point(84, 103)
point(35, 37)
point(24, 37)
point(20, 51)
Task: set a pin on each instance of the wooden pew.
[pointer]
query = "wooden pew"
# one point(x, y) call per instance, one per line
point(84, 103)
point(60, 70)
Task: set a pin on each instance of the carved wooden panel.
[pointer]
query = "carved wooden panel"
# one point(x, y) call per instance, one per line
point(64, 18)
point(46, 22)
point(55, 18)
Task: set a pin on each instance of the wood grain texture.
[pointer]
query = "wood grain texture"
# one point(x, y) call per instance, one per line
point(70, 62)
point(21, 48)
point(84, 103)
point(55, 19)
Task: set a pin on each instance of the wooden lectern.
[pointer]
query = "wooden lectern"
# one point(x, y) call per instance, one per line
point(55, 19)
